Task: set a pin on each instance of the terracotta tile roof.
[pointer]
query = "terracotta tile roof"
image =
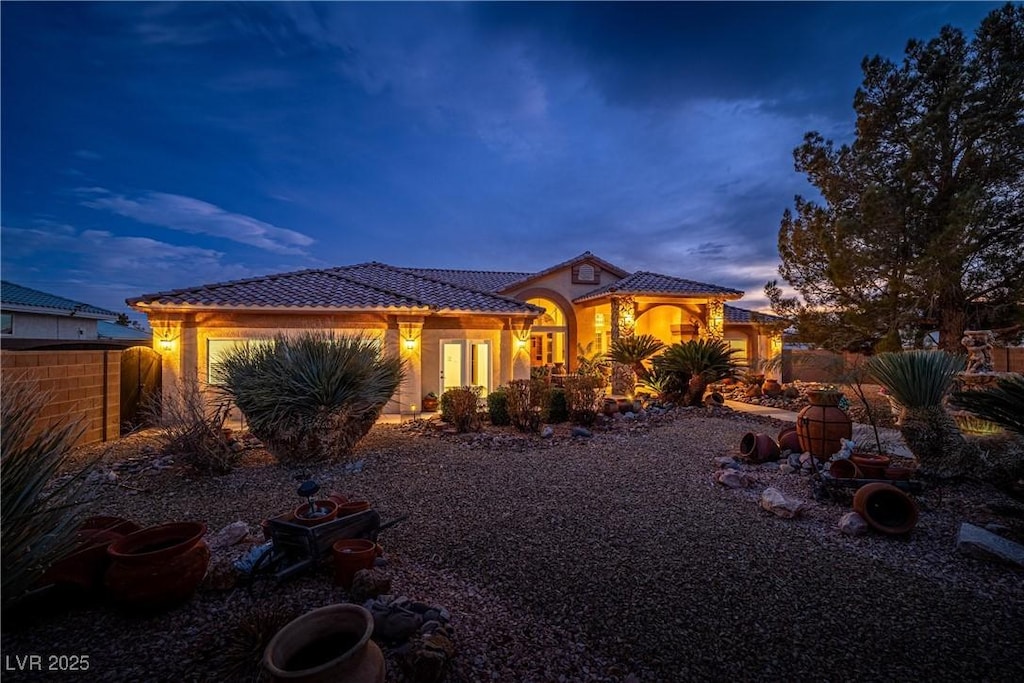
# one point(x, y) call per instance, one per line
point(742, 315)
point(372, 286)
point(15, 297)
point(480, 280)
point(641, 282)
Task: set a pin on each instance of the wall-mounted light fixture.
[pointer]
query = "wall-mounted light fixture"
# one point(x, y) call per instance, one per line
point(410, 343)
point(166, 344)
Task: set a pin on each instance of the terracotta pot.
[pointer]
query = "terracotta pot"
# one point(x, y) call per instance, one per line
point(352, 507)
point(429, 404)
point(789, 440)
point(772, 387)
point(351, 555)
point(337, 498)
point(886, 508)
point(844, 469)
point(899, 473)
point(326, 511)
point(873, 466)
point(85, 566)
point(328, 644)
point(759, 447)
point(159, 566)
point(821, 429)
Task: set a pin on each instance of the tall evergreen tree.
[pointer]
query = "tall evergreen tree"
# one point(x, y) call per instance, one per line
point(921, 220)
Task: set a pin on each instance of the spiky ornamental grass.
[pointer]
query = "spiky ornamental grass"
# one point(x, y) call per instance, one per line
point(310, 397)
point(1002, 404)
point(38, 524)
point(920, 381)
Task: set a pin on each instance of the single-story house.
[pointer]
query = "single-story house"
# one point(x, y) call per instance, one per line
point(453, 327)
point(33, 319)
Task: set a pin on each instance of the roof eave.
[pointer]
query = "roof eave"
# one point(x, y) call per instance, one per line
point(62, 312)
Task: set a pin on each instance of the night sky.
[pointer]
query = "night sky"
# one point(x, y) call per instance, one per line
point(155, 146)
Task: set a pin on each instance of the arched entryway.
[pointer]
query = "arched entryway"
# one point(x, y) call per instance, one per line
point(549, 337)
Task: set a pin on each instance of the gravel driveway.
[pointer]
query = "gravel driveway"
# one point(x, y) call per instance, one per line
point(610, 558)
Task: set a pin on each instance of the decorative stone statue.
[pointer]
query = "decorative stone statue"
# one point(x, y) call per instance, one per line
point(979, 350)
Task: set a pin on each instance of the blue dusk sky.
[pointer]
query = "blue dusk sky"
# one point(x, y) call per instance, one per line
point(150, 146)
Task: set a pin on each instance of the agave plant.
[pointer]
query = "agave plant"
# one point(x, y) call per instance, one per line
point(633, 351)
point(1002, 404)
point(696, 364)
point(38, 519)
point(920, 381)
point(311, 397)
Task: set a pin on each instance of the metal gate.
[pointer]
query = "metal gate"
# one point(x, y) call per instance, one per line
point(141, 387)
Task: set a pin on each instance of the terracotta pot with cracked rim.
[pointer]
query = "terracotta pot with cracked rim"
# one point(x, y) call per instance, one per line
point(885, 508)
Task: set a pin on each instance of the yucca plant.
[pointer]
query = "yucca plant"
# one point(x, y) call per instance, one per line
point(39, 521)
point(311, 397)
point(697, 363)
point(633, 351)
point(920, 381)
point(1002, 404)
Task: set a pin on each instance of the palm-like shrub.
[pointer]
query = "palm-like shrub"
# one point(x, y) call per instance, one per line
point(697, 363)
point(633, 351)
point(1002, 404)
point(591, 363)
point(919, 381)
point(38, 524)
point(310, 397)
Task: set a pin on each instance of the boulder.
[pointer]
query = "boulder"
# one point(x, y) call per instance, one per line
point(369, 583)
point(852, 524)
point(726, 461)
point(981, 544)
point(732, 479)
point(228, 536)
point(776, 502)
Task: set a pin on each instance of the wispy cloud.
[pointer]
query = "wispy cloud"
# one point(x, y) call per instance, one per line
point(197, 217)
point(104, 269)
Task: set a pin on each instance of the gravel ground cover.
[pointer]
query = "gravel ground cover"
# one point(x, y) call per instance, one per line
point(609, 558)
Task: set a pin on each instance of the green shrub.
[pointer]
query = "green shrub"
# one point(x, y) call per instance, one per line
point(310, 397)
point(497, 407)
point(583, 396)
point(462, 408)
point(193, 430)
point(445, 405)
point(38, 522)
point(555, 408)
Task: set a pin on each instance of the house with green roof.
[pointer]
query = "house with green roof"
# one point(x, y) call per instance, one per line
point(453, 327)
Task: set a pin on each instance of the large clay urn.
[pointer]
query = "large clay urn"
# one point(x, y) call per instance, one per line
point(821, 425)
point(157, 567)
point(328, 644)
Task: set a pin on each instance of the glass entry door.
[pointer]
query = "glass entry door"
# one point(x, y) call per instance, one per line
point(466, 362)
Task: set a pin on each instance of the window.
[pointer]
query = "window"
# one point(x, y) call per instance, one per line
point(6, 323)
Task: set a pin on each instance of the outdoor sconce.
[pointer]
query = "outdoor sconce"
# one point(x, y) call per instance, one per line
point(410, 344)
point(166, 344)
point(520, 344)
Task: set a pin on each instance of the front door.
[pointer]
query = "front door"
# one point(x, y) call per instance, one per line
point(466, 362)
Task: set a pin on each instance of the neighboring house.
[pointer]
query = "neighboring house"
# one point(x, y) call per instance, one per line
point(453, 327)
point(31, 319)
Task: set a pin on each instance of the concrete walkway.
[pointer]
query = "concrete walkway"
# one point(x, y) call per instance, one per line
point(892, 440)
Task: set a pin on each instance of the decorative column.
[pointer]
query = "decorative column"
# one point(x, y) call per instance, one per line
point(623, 325)
point(716, 319)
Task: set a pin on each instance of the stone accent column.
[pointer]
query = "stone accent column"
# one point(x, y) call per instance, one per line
point(623, 325)
point(715, 319)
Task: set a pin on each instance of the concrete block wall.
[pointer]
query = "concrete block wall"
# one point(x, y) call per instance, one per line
point(79, 384)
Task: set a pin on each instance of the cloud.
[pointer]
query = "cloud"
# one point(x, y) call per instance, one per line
point(195, 216)
point(104, 269)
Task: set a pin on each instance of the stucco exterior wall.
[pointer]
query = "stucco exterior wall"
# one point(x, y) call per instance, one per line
point(40, 326)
